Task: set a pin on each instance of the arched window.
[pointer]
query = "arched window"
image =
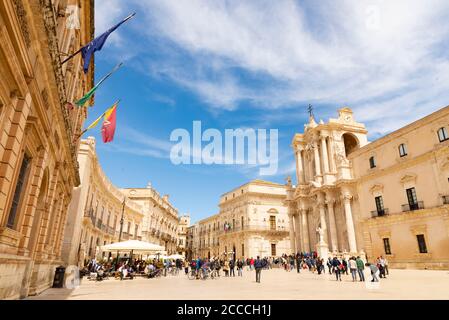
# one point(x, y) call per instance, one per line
point(372, 162)
point(442, 134)
point(403, 150)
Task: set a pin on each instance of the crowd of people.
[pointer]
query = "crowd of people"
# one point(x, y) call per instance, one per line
point(204, 268)
point(126, 268)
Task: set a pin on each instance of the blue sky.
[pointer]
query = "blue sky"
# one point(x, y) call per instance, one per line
point(258, 64)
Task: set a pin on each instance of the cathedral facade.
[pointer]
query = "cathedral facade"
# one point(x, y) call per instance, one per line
point(383, 198)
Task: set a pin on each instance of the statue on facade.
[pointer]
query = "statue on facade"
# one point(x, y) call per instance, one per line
point(320, 232)
point(289, 181)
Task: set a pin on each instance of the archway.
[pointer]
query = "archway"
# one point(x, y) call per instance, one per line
point(351, 143)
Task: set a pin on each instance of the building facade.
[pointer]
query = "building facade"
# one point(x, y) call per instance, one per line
point(160, 223)
point(99, 212)
point(387, 197)
point(253, 221)
point(38, 148)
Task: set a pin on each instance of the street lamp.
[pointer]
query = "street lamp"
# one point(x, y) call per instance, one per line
point(121, 228)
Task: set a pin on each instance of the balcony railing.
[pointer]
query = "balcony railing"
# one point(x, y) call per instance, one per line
point(413, 206)
point(380, 213)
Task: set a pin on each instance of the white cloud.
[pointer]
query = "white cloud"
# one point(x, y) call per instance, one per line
point(379, 57)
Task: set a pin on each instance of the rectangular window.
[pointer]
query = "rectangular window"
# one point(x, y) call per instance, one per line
point(421, 243)
point(272, 222)
point(20, 188)
point(442, 134)
point(387, 247)
point(402, 150)
point(243, 250)
point(372, 162)
point(412, 199)
point(380, 205)
point(273, 249)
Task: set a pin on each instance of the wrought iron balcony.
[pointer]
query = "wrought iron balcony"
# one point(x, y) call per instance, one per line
point(380, 213)
point(413, 206)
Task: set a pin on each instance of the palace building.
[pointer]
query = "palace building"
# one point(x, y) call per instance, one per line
point(100, 214)
point(160, 224)
point(253, 221)
point(38, 148)
point(388, 197)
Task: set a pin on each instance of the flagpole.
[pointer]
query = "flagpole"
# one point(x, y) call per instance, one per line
point(109, 74)
point(102, 115)
point(74, 54)
point(91, 92)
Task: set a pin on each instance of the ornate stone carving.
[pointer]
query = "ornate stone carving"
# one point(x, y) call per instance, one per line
point(340, 155)
point(22, 16)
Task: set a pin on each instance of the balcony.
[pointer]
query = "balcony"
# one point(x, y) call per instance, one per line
point(413, 206)
point(111, 231)
point(380, 213)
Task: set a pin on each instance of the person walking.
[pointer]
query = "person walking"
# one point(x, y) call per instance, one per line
point(329, 265)
point(353, 268)
point(319, 264)
point(337, 266)
point(226, 268)
point(381, 266)
point(360, 269)
point(231, 268)
point(374, 271)
point(298, 263)
point(258, 265)
point(386, 266)
point(240, 268)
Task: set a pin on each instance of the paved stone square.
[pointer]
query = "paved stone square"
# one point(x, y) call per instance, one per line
point(275, 284)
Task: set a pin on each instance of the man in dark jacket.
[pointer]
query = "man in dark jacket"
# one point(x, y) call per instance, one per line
point(258, 266)
point(231, 267)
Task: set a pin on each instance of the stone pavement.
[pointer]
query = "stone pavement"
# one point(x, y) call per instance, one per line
point(275, 284)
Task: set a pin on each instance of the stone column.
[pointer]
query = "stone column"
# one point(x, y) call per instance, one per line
point(305, 229)
point(299, 166)
point(299, 233)
point(332, 224)
point(324, 154)
point(333, 166)
point(317, 162)
point(349, 222)
point(292, 232)
point(322, 208)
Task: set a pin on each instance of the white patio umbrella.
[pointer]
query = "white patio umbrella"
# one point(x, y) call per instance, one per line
point(135, 246)
point(176, 256)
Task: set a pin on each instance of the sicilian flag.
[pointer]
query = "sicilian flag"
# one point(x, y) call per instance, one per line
point(97, 44)
point(81, 102)
point(109, 123)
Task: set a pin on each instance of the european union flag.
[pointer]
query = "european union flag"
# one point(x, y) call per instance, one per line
point(97, 44)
